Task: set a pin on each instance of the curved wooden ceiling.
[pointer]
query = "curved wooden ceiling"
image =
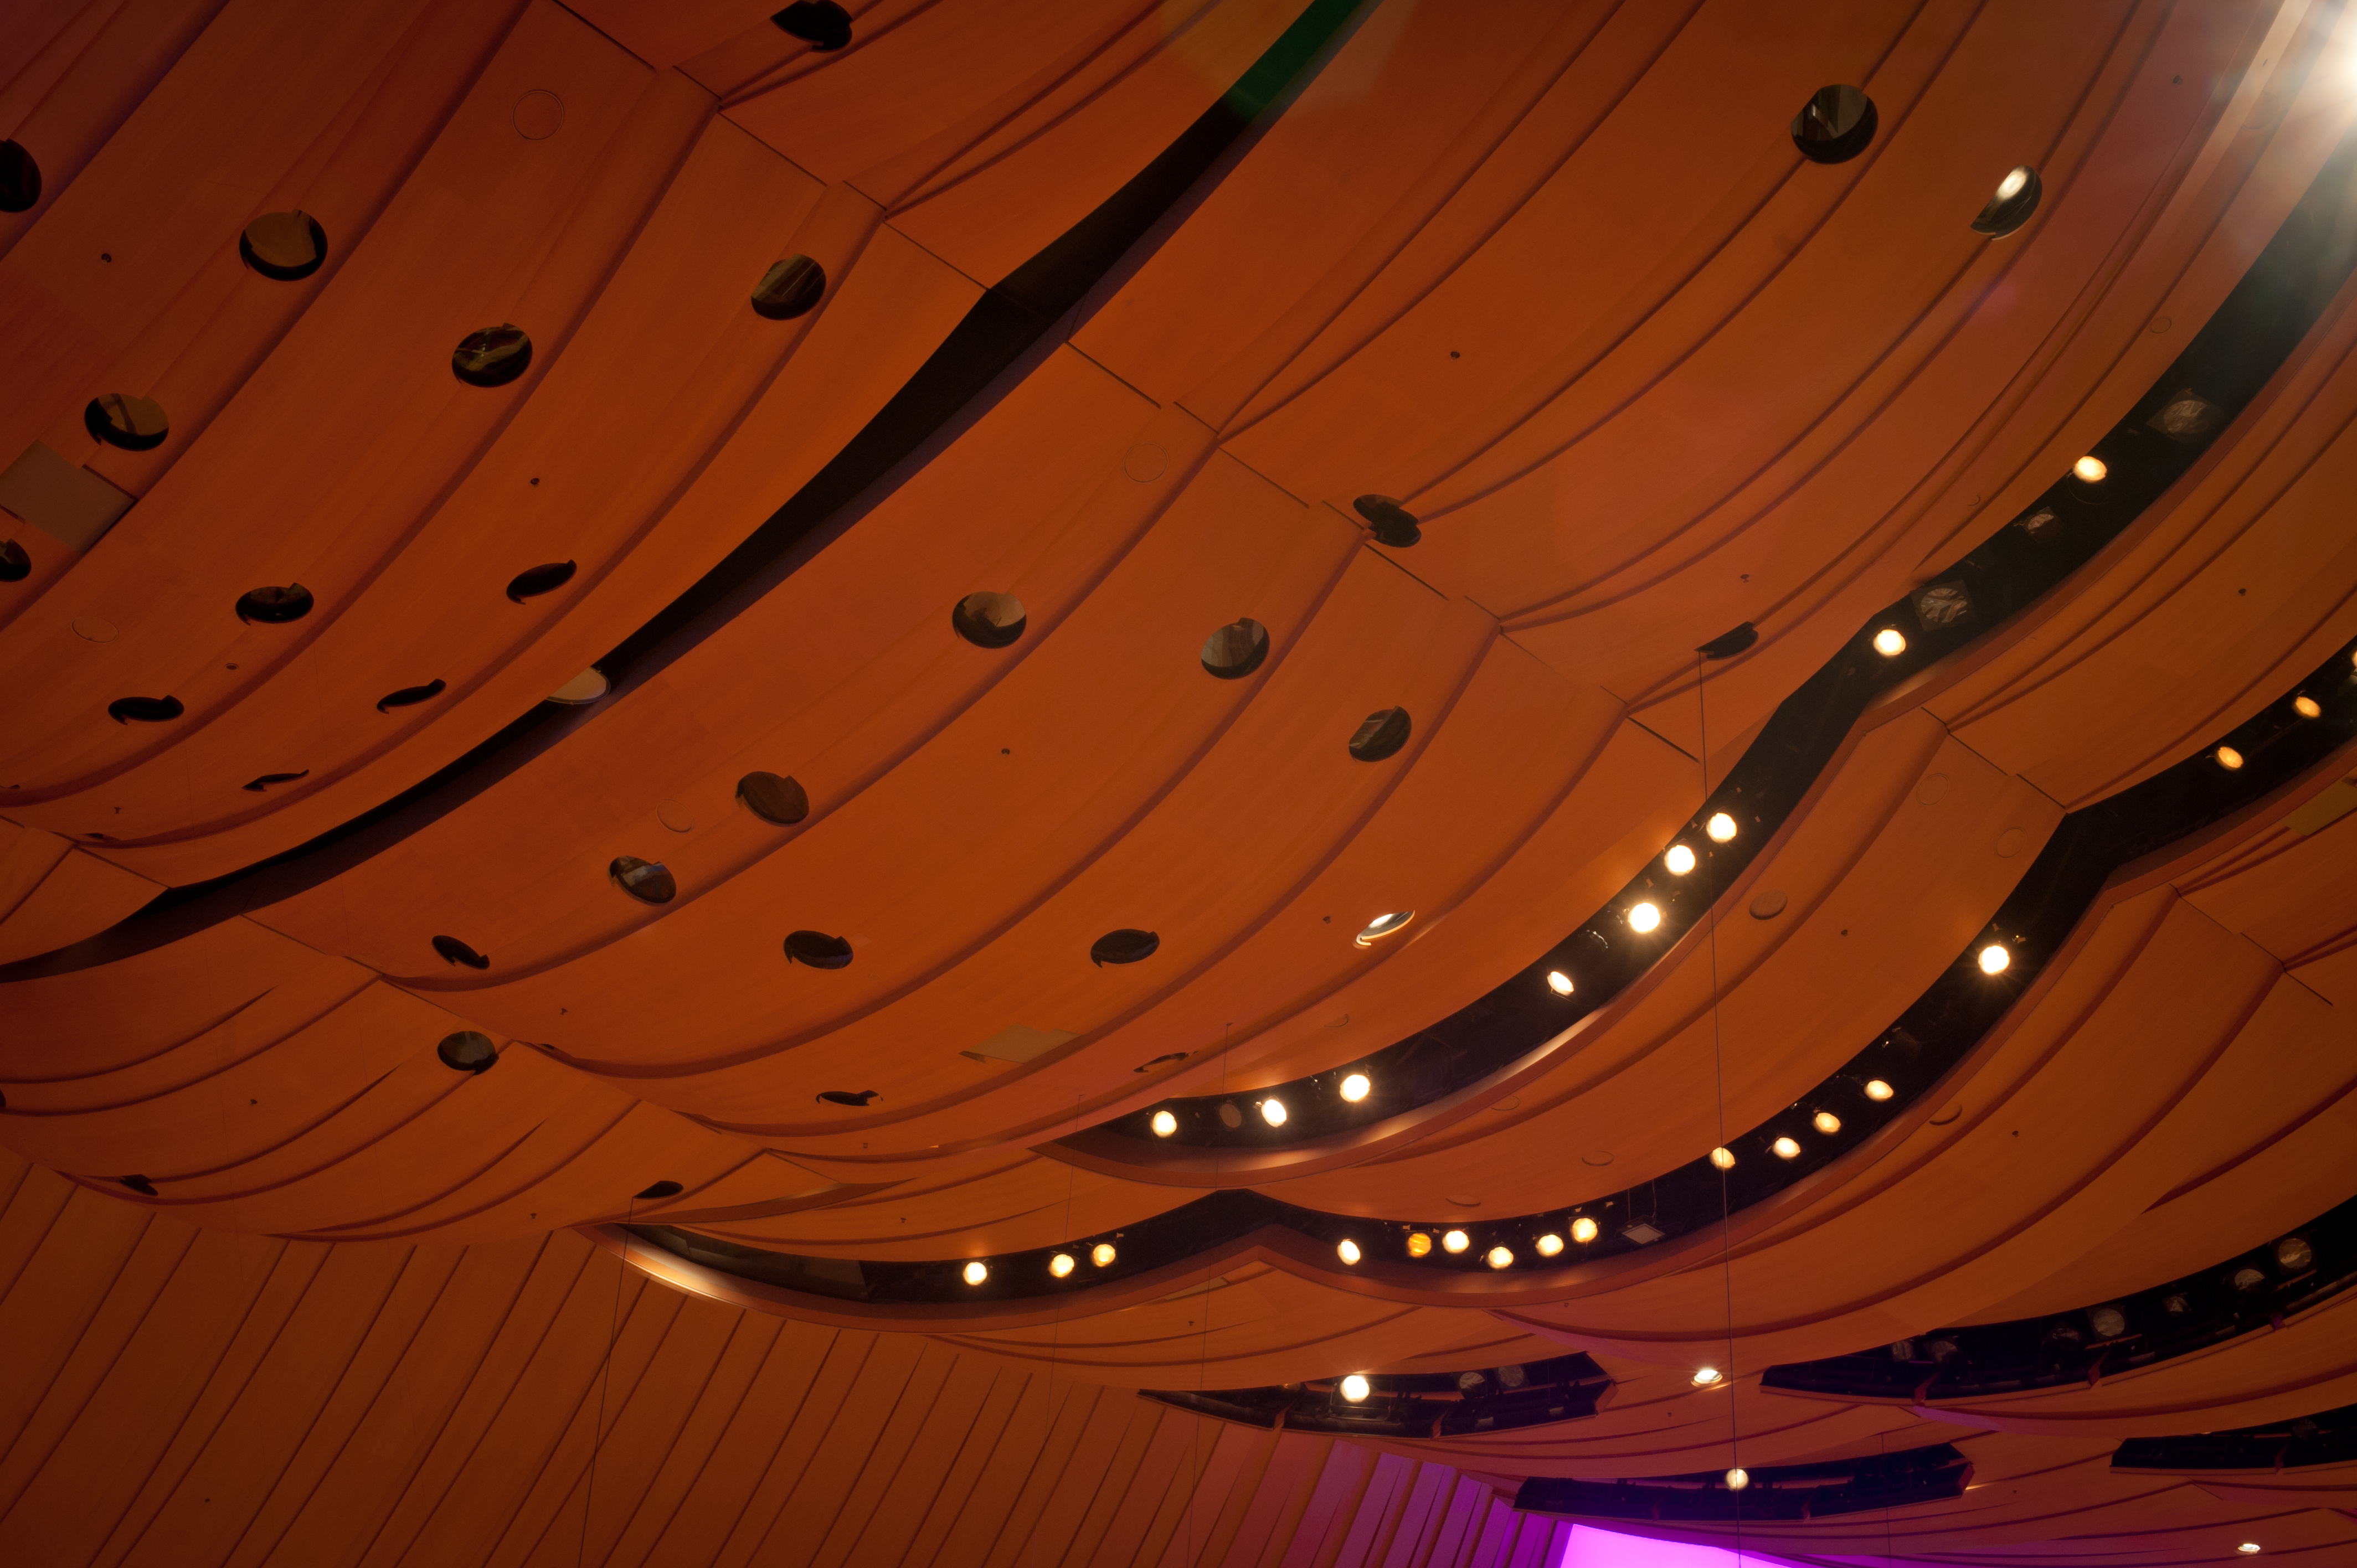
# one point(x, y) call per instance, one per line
point(1124, 308)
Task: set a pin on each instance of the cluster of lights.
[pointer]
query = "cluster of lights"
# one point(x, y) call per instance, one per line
point(1061, 1265)
point(1355, 1087)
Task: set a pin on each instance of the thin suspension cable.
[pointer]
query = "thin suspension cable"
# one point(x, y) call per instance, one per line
point(605, 1379)
point(1718, 1082)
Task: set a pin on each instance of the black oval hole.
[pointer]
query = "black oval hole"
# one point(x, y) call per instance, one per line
point(988, 620)
point(817, 949)
point(851, 1097)
point(493, 356)
point(267, 780)
point(1127, 945)
point(1727, 644)
point(663, 1189)
point(14, 564)
point(546, 578)
point(1394, 525)
point(648, 881)
point(285, 247)
point(774, 798)
point(1236, 650)
point(821, 23)
point(1380, 733)
point(790, 288)
point(410, 696)
point(1835, 125)
point(274, 606)
point(143, 710)
point(468, 1050)
point(20, 178)
point(121, 419)
point(2015, 198)
point(456, 951)
point(138, 1184)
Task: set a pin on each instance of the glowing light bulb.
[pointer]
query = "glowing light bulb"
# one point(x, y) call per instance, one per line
point(1827, 1122)
point(1165, 1123)
point(2011, 185)
point(1273, 1113)
point(1102, 1254)
point(1721, 827)
point(2229, 758)
point(1786, 1149)
point(2089, 469)
point(2248, 1548)
point(1705, 1376)
point(1347, 1250)
point(1680, 860)
point(1559, 982)
point(1583, 1229)
point(1723, 1158)
point(977, 1272)
point(1890, 642)
point(1355, 1087)
point(1501, 1256)
point(1418, 1245)
point(1993, 959)
point(1737, 1478)
point(2307, 707)
point(1549, 1245)
point(1456, 1240)
point(1354, 1388)
point(1059, 1265)
point(1877, 1089)
point(1644, 917)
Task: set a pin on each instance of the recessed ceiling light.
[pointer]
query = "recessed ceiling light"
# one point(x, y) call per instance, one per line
point(1347, 1250)
point(1383, 926)
point(1355, 1087)
point(1705, 1376)
point(1890, 642)
point(1354, 1388)
point(1501, 1256)
point(2307, 707)
point(1721, 827)
point(1059, 1265)
point(1680, 860)
point(2248, 1548)
point(2108, 1321)
point(2294, 1255)
point(2010, 206)
point(1273, 1113)
point(1456, 1240)
point(1102, 1254)
point(1418, 1245)
point(1644, 917)
point(1786, 1149)
point(977, 1272)
point(1559, 982)
point(1737, 1478)
point(1583, 1229)
point(1827, 1122)
point(1165, 1123)
point(1550, 1244)
point(1723, 1158)
point(1993, 959)
point(1877, 1089)
point(2091, 469)
point(2229, 758)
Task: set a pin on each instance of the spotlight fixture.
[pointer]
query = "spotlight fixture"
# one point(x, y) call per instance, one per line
point(1347, 1250)
point(1583, 1229)
point(2307, 707)
point(1354, 1388)
point(2247, 1279)
point(1383, 926)
point(1993, 959)
point(1680, 860)
point(1704, 1377)
point(1786, 1149)
point(2294, 1255)
point(1890, 642)
point(1165, 1123)
point(1877, 1089)
point(2090, 469)
point(1468, 1380)
point(1644, 917)
point(1273, 1113)
point(1550, 1244)
point(1059, 1265)
point(1723, 1158)
point(1456, 1240)
point(1418, 1245)
point(977, 1272)
point(2228, 758)
point(1721, 827)
point(2108, 1321)
point(1501, 1256)
point(1559, 982)
point(1102, 1254)
point(1825, 1122)
point(1355, 1087)
point(1737, 1478)
point(2248, 1548)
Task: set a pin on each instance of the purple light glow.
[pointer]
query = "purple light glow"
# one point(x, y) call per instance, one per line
point(1591, 1548)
